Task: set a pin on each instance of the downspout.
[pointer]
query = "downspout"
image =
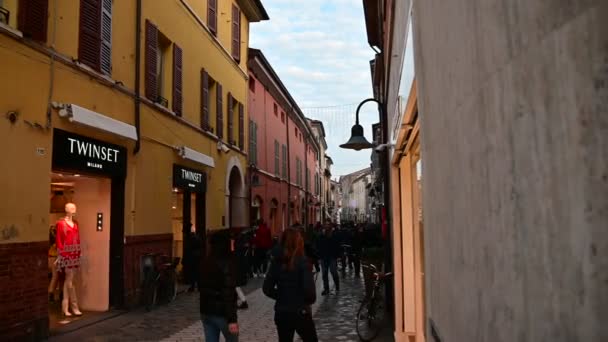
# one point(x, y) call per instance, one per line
point(137, 76)
point(288, 170)
point(306, 185)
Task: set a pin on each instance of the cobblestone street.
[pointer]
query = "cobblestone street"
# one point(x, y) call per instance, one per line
point(179, 321)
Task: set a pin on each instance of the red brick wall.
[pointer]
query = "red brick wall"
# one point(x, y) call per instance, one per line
point(135, 247)
point(23, 291)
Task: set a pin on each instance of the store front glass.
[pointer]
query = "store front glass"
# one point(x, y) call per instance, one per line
point(86, 228)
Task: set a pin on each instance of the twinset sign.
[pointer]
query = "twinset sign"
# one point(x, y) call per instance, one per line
point(189, 179)
point(73, 152)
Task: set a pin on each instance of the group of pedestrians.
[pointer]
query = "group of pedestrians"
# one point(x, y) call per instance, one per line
point(289, 280)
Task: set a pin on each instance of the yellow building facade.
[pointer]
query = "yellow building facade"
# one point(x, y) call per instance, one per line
point(134, 110)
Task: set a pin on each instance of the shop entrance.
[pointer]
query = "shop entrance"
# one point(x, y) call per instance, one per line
point(90, 174)
point(189, 220)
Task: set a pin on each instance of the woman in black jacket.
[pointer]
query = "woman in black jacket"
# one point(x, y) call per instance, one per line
point(290, 282)
point(218, 291)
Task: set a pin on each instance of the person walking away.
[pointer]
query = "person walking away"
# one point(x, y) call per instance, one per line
point(357, 248)
point(263, 243)
point(194, 247)
point(290, 283)
point(329, 251)
point(218, 291)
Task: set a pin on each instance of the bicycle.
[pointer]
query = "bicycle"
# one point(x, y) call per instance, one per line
point(160, 279)
point(371, 313)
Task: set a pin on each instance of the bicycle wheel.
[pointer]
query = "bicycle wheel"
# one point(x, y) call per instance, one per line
point(368, 325)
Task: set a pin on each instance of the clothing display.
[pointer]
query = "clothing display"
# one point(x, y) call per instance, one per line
point(68, 244)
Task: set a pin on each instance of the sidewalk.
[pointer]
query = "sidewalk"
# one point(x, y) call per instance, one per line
point(334, 317)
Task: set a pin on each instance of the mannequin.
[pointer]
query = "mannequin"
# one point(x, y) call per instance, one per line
point(68, 247)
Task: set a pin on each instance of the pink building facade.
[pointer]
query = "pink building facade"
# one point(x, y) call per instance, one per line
point(281, 149)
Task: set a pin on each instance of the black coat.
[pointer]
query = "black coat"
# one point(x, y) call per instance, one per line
point(294, 290)
point(328, 247)
point(218, 288)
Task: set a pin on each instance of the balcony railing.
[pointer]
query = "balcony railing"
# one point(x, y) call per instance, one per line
point(5, 15)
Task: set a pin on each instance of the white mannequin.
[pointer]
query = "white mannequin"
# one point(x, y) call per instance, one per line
point(68, 245)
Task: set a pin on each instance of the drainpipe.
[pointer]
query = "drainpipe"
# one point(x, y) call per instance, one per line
point(288, 170)
point(306, 185)
point(137, 76)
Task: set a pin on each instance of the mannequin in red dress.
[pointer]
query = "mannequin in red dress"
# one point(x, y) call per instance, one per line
point(68, 248)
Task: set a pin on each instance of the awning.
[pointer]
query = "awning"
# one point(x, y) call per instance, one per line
point(86, 117)
point(190, 154)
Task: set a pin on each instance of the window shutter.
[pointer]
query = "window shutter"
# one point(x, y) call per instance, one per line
point(230, 113)
point(151, 61)
point(106, 37)
point(177, 80)
point(255, 142)
point(212, 16)
point(276, 157)
point(32, 19)
point(241, 126)
point(89, 39)
point(220, 114)
point(204, 100)
point(236, 33)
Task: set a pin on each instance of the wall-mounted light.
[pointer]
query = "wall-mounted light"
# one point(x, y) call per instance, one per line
point(99, 222)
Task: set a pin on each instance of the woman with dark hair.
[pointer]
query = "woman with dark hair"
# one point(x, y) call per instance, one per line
point(290, 282)
point(218, 290)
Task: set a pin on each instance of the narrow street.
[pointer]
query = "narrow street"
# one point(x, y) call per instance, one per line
point(180, 321)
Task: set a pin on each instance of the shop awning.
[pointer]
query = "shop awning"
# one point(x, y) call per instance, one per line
point(190, 154)
point(87, 117)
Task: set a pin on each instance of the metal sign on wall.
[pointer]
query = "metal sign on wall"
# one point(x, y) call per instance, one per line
point(189, 179)
point(74, 152)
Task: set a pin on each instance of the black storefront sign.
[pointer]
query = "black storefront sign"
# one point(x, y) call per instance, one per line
point(74, 152)
point(189, 179)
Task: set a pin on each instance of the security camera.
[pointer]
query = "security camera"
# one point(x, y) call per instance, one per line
point(222, 147)
point(382, 147)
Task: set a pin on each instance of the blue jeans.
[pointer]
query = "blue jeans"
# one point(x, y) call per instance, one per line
point(330, 265)
point(213, 325)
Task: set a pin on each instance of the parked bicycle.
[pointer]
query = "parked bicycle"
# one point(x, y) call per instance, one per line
point(372, 312)
point(160, 279)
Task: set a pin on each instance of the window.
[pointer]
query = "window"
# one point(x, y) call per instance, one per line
point(32, 17)
point(295, 129)
point(282, 117)
point(95, 34)
point(307, 179)
point(158, 48)
point(276, 158)
point(252, 84)
point(241, 110)
point(298, 172)
point(208, 92)
point(219, 119)
point(230, 106)
point(284, 161)
point(212, 16)
point(276, 110)
point(253, 143)
point(236, 33)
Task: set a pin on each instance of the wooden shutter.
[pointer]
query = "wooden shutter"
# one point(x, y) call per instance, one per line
point(241, 127)
point(236, 33)
point(177, 80)
point(106, 37)
point(220, 114)
point(32, 19)
point(89, 39)
point(230, 113)
point(151, 61)
point(212, 16)
point(276, 157)
point(204, 100)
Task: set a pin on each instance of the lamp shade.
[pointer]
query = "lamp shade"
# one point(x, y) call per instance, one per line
point(357, 140)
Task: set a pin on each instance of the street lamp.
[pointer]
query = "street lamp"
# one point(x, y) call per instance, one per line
point(357, 140)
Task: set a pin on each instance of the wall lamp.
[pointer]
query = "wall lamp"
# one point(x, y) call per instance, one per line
point(357, 140)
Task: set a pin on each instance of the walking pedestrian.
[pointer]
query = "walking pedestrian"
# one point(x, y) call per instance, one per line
point(263, 243)
point(357, 248)
point(193, 255)
point(218, 291)
point(289, 281)
point(329, 250)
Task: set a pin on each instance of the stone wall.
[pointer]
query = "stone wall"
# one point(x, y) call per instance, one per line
point(513, 99)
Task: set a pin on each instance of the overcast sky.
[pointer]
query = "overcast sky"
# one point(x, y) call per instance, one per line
point(319, 50)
